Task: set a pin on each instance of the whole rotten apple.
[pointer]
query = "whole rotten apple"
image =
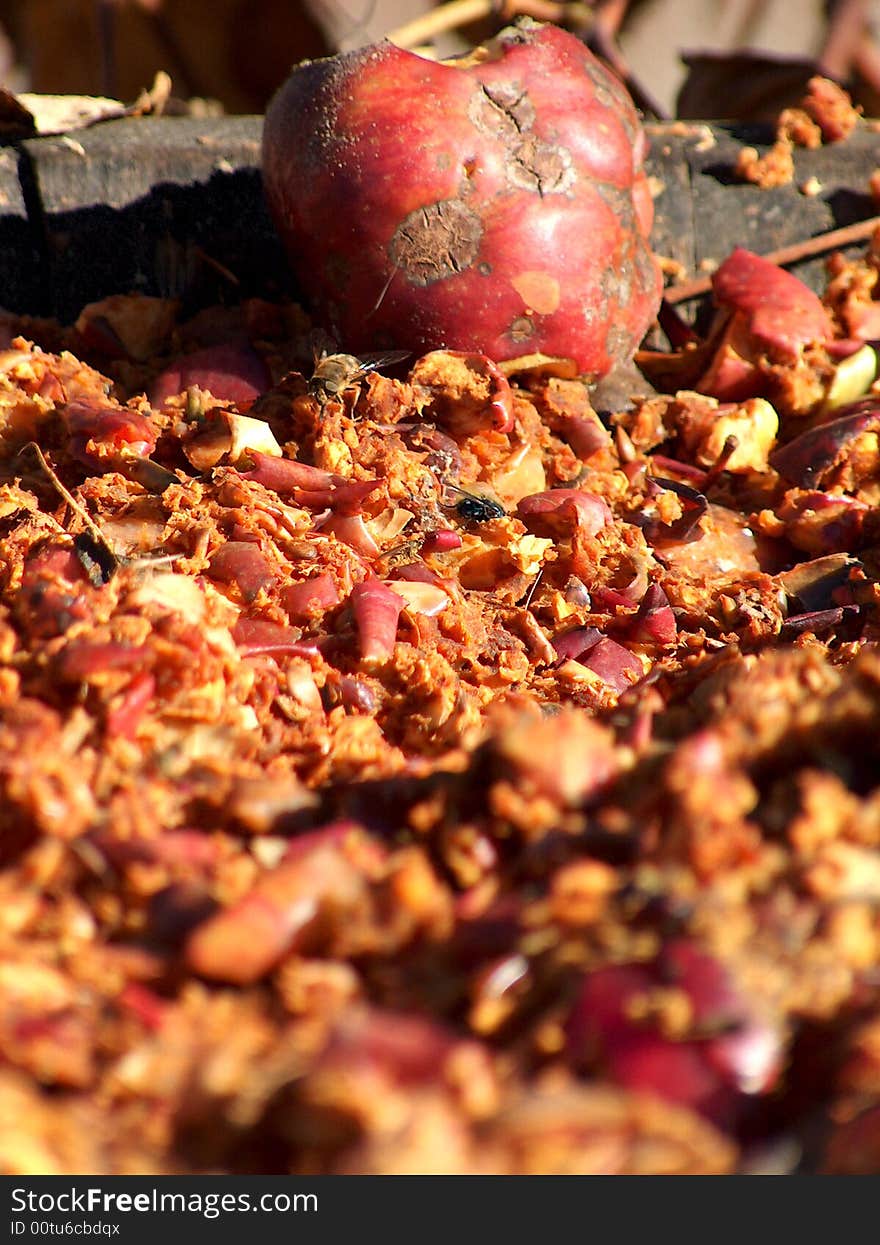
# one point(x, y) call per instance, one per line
point(495, 204)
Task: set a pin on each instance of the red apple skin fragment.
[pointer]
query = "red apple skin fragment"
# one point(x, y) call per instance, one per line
point(232, 372)
point(590, 513)
point(243, 942)
point(729, 1054)
point(781, 312)
point(376, 612)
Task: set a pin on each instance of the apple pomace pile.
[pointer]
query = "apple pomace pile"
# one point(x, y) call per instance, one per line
point(417, 764)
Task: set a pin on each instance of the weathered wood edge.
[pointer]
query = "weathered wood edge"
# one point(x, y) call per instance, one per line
point(694, 163)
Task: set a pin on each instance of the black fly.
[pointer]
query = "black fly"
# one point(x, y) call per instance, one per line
point(476, 507)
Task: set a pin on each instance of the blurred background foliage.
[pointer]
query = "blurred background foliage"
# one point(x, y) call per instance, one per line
point(712, 59)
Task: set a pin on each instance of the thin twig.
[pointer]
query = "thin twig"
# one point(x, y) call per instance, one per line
point(225, 272)
point(610, 15)
point(599, 42)
point(91, 526)
point(835, 238)
point(456, 13)
point(599, 35)
point(438, 21)
point(728, 449)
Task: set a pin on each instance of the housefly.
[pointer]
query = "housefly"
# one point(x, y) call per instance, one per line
point(476, 507)
point(334, 373)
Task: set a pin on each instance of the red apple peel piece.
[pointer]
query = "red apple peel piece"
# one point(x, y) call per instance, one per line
point(376, 612)
point(782, 313)
point(232, 372)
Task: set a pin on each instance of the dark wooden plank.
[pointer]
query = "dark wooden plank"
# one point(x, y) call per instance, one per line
point(163, 206)
point(728, 213)
point(669, 169)
point(21, 259)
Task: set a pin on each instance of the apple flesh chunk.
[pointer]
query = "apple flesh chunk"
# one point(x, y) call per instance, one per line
point(495, 205)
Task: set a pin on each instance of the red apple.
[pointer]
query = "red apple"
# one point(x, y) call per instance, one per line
point(495, 204)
